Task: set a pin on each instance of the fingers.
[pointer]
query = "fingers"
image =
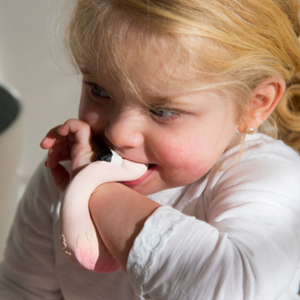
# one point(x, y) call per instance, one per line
point(69, 141)
point(59, 147)
point(61, 177)
point(80, 135)
point(51, 137)
point(60, 151)
point(72, 140)
point(75, 130)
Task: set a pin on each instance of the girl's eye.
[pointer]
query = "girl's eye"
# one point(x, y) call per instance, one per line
point(99, 91)
point(96, 91)
point(164, 113)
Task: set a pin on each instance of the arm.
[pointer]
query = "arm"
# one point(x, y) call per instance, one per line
point(248, 248)
point(79, 240)
point(73, 141)
point(114, 206)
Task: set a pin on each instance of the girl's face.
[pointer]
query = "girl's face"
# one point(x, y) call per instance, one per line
point(181, 135)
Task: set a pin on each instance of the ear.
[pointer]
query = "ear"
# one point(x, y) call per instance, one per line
point(262, 103)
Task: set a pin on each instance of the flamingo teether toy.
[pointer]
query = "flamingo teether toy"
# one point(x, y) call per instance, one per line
point(78, 236)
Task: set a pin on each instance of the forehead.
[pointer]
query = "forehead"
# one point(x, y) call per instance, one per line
point(146, 64)
point(161, 64)
point(144, 59)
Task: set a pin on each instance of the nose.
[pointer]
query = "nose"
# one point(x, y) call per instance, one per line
point(124, 129)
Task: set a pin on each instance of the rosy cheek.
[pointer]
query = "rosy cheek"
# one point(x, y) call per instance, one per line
point(177, 161)
point(180, 155)
point(187, 162)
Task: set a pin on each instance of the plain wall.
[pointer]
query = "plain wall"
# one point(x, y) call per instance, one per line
point(30, 62)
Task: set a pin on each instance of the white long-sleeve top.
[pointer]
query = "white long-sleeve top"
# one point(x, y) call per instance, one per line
point(232, 235)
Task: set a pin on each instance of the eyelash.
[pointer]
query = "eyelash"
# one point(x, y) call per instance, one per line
point(92, 91)
point(157, 114)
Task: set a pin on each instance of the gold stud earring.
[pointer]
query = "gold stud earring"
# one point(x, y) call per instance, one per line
point(250, 130)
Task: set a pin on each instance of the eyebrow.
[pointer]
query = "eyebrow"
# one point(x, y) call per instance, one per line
point(162, 102)
point(158, 101)
point(85, 71)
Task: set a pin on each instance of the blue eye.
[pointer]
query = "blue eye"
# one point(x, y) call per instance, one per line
point(99, 91)
point(164, 113)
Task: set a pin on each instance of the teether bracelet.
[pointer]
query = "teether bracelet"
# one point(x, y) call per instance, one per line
point(78, 236)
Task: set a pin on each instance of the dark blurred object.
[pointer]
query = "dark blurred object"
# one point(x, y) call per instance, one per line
point(10, 144)
point(9, 108)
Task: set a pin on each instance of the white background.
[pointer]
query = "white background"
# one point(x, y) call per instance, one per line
point(31, 60)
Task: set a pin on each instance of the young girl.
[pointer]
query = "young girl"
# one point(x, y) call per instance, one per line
point(180, 86)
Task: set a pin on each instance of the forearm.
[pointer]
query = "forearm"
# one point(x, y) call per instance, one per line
point(119, 214)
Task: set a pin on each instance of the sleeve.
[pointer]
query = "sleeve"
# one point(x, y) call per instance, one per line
point(28, 269)
point(248, 249)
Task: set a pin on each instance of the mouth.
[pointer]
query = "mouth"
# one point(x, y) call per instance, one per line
point(133, 183)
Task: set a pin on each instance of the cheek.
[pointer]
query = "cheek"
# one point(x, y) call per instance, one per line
point(184, 155)
point(92, 117)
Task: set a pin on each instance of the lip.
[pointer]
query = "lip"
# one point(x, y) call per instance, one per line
point(142, 179)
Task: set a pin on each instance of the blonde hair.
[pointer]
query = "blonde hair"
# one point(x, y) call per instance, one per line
point(233, 44)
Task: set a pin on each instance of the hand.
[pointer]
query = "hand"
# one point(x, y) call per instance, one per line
point(70, 141)
point(73, 141)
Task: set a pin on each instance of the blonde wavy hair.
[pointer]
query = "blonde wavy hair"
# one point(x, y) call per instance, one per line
point(233, 44)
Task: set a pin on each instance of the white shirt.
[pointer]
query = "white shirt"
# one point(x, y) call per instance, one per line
point(234, 234)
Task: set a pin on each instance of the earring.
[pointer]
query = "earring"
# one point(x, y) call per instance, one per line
point(250, 130)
